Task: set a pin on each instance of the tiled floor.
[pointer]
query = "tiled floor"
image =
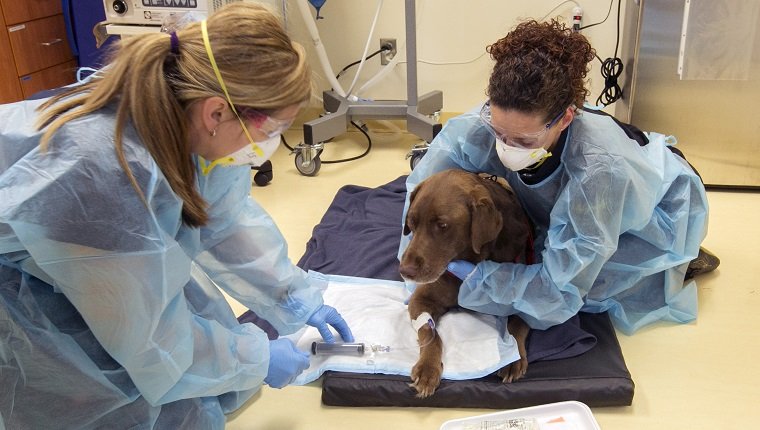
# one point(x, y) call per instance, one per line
point(703, 375)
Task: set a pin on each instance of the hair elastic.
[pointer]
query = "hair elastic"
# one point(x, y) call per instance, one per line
point(175, 43)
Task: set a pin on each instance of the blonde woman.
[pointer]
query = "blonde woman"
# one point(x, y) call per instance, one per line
point(124, 207)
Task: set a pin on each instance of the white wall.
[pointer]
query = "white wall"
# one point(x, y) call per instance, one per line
point(448, 31)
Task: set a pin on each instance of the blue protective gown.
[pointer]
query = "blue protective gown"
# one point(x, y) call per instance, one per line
point(110, 315)
point(616, 226)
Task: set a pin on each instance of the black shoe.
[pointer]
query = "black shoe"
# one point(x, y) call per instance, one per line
point(705, 262)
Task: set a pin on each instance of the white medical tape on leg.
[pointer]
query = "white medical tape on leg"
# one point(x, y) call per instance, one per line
point(423, 319)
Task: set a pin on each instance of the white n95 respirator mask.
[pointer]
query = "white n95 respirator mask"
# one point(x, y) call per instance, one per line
point(519, 158)
point(255, 153)
point(252, 154)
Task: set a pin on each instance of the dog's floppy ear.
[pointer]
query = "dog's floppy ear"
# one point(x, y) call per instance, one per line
point(485, 220)
point(411, 199)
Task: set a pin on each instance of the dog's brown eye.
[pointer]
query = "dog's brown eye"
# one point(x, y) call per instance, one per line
point(443, 225)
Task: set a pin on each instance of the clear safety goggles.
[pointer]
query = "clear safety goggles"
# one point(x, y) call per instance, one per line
point(265, 123)
point(269, 125)
point(523, 140)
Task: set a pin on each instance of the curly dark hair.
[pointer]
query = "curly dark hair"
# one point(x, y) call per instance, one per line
point(540, 68)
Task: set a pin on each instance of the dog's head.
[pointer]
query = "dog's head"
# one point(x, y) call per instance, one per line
point(452, 217)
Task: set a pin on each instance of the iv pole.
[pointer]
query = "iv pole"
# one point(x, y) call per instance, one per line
point(340, 110)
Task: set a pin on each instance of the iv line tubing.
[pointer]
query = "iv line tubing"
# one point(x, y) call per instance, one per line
point(321, 53)
point(366, 47)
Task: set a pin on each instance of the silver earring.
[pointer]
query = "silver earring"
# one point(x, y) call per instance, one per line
point(213, 133)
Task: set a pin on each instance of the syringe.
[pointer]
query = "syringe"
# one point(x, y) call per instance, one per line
point(324, 348)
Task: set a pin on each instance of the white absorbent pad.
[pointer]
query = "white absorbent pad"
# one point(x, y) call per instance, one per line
point(475, 345)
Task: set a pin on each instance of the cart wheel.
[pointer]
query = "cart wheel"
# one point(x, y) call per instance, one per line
point(311, 169)
point(415, 158)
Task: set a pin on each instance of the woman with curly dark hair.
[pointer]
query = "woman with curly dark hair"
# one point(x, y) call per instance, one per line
point(618, 213)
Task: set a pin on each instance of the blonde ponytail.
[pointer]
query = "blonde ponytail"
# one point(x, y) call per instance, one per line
point(154, 88)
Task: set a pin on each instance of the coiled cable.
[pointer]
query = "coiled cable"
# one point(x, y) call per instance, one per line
point(612, 68)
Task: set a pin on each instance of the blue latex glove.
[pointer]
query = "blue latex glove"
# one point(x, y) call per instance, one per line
point(325, 315)
point(286, 362)
point(460, 268)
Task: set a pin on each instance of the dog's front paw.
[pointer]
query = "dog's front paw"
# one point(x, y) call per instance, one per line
point(425, 378)
point(513, 371)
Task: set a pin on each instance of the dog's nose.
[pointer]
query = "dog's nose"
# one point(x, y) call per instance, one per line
point(407, 270)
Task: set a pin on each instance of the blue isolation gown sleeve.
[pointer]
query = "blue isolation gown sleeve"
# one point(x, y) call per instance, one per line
point(244, 253)
point(584, 233)
point(623, 223)
point(117, 259)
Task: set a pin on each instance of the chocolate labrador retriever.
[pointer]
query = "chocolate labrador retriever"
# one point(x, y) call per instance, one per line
point(457, 215)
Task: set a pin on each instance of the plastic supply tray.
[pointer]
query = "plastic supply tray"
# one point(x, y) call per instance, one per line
point(569, 415)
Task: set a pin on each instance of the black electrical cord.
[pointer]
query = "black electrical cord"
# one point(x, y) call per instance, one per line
point(602, 21)
point(369, 146)
point(612, 68)
point(383, 49)
point(285, 142)
point(366, 151)
point(361, 129)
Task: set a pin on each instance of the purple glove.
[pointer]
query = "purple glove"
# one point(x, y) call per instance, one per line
point(286, 362)
point(328, 315)
point(460, 268)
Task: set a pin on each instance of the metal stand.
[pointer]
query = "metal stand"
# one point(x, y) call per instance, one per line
point(341, 111)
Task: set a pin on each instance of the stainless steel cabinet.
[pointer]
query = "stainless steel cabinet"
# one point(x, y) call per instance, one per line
point(715, 117)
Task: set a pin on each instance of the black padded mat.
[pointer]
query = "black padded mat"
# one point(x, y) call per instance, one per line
point(359, 236)
point(598, 377)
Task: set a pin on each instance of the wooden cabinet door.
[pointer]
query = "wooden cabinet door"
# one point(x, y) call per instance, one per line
point(10, 91)
point(39, 44)
point(53, 77)
point(18, 11)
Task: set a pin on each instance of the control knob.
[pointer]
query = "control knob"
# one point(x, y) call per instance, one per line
point(119, 6)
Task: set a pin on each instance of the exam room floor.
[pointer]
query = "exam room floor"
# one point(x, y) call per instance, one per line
point(702, 375)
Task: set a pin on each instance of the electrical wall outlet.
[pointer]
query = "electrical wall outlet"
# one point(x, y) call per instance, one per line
point(387, 56)
point(577, 18)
